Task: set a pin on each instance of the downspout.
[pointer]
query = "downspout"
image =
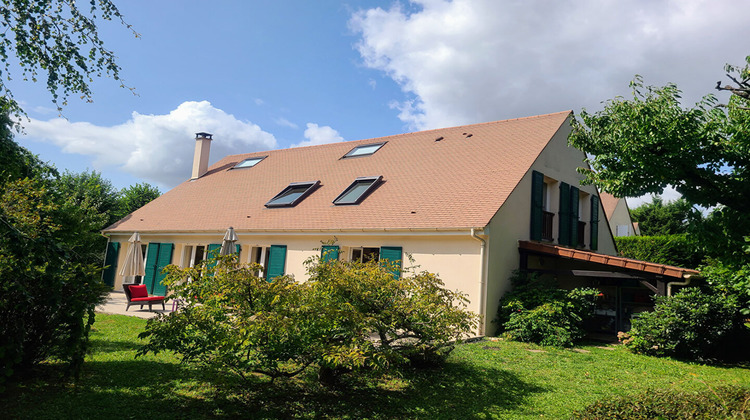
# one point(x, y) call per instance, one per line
point(482, 281)
point(688, 278)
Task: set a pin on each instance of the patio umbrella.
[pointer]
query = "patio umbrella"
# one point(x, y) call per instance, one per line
point(227, 246)
point(134, 265)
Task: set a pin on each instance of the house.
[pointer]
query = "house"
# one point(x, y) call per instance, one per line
point(460, 202)
point(618, 215)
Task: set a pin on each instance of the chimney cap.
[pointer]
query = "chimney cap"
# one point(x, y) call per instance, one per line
point(203, 136)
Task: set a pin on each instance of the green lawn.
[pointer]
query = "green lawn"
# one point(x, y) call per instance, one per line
point(481, 380)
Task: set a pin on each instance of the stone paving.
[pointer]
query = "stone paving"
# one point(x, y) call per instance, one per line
point(116, 304)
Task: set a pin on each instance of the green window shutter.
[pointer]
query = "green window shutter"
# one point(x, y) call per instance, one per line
point(237, 249)
point(329, 253)
point(110, 262)
point(152, 253)
point(163, 259)
point(537, 181)
point(564, 227)
point(212, 251)
point(574, 202)
point(594, 222)
point(392, 254)
point(276, 262)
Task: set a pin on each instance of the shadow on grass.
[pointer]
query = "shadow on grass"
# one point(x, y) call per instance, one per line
point(456, 391)
point(121, 389)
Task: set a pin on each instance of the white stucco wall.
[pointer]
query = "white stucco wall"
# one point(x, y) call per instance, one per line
point(621, 217)
point(454, 256)
point(513, 221)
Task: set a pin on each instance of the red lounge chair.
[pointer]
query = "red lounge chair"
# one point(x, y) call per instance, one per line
point(138, 295)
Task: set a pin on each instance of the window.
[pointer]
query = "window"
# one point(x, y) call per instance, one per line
point(249, 162)
point(193, 255)
point(271, 258)
point(364, 150)
point(292, 194)
point(364, 255)
point(358, 190)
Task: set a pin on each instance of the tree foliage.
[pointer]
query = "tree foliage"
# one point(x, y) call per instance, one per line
point(678, 250)
point(56, 41)
point(643, 144)
point(346, 317)
point(48, 291)
point(134, 197)
point(660, 218)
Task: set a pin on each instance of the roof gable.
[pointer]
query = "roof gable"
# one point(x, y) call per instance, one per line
point(449, 178)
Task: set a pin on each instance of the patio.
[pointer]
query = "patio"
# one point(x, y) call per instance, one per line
point(116, 304)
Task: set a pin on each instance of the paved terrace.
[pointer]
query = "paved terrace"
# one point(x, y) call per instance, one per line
point(116, 304)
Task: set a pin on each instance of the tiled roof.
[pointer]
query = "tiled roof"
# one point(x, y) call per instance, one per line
point(457, 182)
point(609, 202)
point(614, 262)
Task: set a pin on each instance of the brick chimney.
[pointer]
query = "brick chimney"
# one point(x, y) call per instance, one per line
point(200, 159)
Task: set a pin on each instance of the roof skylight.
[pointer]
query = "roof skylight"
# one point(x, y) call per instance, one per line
point(364, 150)
point(293, 194)
point(249, 162)
point(358, 190)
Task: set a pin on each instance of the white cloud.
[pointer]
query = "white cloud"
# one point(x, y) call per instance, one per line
point(316, 135)
point(669, 194)
point(157, 148)
point(468, 61)
point(285, 123)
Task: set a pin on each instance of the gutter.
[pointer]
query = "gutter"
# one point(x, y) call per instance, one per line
point(482, 277)
point(688, 278)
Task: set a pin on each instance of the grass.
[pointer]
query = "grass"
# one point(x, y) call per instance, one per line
point(481, 380)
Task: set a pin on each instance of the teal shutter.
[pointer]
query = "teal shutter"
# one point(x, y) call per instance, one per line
point(163, 259)
point(594, 222)
point(564, 227)
point(152, 253)
point(329, 253)
point(574, 200)
point(537, 182)
point(276, 262)
point(237, 249)
point(392, 254)
point(110, 263)
point(212, 251)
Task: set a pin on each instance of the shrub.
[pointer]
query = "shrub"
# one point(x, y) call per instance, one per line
point(48, 292)
point(536, 311)
point(691, 324)
point(725, 403)
point(676, 250)
point(233, 320)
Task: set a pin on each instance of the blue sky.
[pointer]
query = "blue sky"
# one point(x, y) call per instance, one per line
point(274, 74)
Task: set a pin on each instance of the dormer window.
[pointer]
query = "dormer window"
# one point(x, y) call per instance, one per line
point(364, 150)
point(358, 190)
point(249, 162)
point(293, 194)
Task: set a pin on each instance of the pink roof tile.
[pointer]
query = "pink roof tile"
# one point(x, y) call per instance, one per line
point(458, 182)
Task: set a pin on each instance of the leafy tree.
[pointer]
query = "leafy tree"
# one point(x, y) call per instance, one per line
point(90, 202)
point(48, 292)
point(134, 197)
point(59, 40)
point(346, 317)
point(659, 218)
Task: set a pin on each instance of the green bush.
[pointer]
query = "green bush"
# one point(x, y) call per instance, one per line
point(347, 316)
point(722, 403)
point(691, 324)
point(536, 311)
point(677, 250)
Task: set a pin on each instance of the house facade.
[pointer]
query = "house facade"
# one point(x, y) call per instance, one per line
point(453, 201)
point(618, 215)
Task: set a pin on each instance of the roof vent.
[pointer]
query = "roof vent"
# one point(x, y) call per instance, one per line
point(468, 135)
point(204, 136)
point(439, 138)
